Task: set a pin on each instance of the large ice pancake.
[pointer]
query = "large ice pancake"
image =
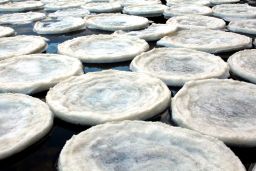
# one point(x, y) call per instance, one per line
point(6, 31)
point(103, 48)
point(21, 45)
point(110, 95)
point(187, 2)
point(145, 146)
point(221, 108)
point(231, 12)
point(21, 18)
point(176, 66)
point(152, 33)
point(24, 120)
point(70, 12)
point(21, 6)
point(59, 26)
point(139, 2)
point(101, 7)
point(217, 2)
point(148, 10)
point(212, 41)
point(58, 5)
point(113, 22)
point(197, 22)
point(242, 64)
point(181, 10)
point(243, 26)
point(34, 73)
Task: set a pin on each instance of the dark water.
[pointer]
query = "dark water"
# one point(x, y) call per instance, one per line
point(43, 155)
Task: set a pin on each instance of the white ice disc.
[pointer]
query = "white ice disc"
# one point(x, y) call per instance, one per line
point(30, 74)
point(152, 10)
point(212, 41)
point(21, 18)
point(4, 1)
point(21, 45)
point(59, 25)
point(177, 10)
point(110, 95)
point(139, 2)
point(176, 66)
point(6, 31)
point(103, 48)
point(24, 120)
point(187, 2)
point(217, 2)
point(243, 26)
point(145, 146)
point(224, 109)
point(242, 64)
point(58, 5)
point(231, 12)
point(197, 22)
point(21, 6)
point(152, 33)
point(113, 22)
point(101, 7)
point(70, 12)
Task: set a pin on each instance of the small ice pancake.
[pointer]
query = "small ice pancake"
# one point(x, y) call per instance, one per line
point(242, 64)
point(177, 10)
point(21, 45)
point(197, 22)
point(212, 41)
point(6, 31)
point(21, 6)
point(103, 48)
point(58, 5)
point(224, 109)
point(243, 26)
point(101, 7)
point(35, 73)
point(113, 22)
point(59, 26)
point(176, 66)
point(139, 2)
point(145, 146)
point(21, 18)
point(4, 1)
point(110, 95)
point(151, 10)
point(154, 32)
point(231, 12)
point(186, 2)
point(217, 2)
point(70, 12)
point(24, 120)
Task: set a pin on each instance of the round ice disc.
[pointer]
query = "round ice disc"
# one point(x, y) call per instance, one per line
point(113, 22)
point(242, 64)
point(152, 10)
point(59, 26)
point(35, 73)
point(187, 2)
point(136, 146)
point(180, 10)
point(212, 41)
point(21, 18)
point(231, 12)
point(243, 26)
point(139, 2)
point(21, 6)
point(58, 5)
point(24, 120)
point(221, 108)
point(101, 7)
point(176, 66)
point(197, 22)
point(217, 2)
point(70, 12)
point(100, 97)
point(21, 45)
point(6, 31)
point(103, 48)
